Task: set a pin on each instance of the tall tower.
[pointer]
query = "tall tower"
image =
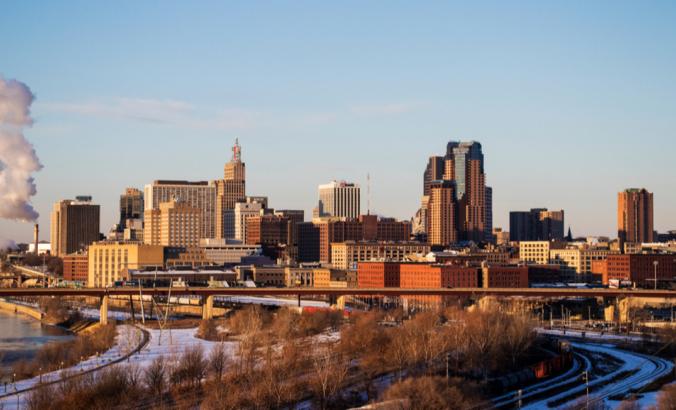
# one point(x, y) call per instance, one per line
point(230, 190)
point(442, 228)
point(635, 216)
point(339, 199)
point(465, 166)
point(74, 225)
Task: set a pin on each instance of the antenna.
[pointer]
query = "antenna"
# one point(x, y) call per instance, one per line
point(368, 194)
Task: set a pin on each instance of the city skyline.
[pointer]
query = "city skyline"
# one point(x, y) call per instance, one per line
point(569, 104)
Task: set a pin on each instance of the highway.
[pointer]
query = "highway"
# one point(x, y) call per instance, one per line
point(300, 292)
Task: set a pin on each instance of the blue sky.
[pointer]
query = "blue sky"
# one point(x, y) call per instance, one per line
point(572, 101)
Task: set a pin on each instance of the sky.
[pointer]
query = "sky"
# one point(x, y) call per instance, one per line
point(572, 101)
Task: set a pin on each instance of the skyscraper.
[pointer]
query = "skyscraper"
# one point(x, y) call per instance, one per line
point(74, 225)
point(200, 195)
point(173, 224)
point(131, 206)
point(433, 172)
point(635, 216)
point(243, 211)
point(339, 199)
point(442, 229)
point(489, 216)
point(230, 190)
point(463, 165)
point(538, 224)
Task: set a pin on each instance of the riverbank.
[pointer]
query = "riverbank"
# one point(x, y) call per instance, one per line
point(12, 307)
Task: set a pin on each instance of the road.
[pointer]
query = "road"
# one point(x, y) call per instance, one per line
point(451, 292)
point(635, 372)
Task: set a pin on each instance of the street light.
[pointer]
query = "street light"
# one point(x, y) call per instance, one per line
point(655, 263)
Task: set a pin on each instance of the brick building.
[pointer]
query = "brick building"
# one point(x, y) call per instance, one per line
point(637, 268)
point(378, 275)
point(505, 276)
point(76, 267)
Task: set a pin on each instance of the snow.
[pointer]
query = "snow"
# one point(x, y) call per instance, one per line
point(591, 335)
point(127, 339)
point(267, 301)
point(645, 370)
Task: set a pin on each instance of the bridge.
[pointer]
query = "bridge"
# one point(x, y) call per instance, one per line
point(208, 294)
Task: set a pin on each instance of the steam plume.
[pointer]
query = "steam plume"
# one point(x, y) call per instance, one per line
point(17, 156)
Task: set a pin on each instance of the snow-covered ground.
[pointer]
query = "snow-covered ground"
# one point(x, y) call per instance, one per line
point(270, 301)
point(127, 339)
point(644, 369)
point(591, 335)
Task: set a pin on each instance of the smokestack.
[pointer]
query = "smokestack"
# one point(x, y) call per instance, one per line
point(36, 237)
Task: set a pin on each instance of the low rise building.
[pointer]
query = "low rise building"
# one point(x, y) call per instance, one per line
point(640, 269)
point(108, 261)
point(228, 251)
point(346, 255)
point(76, 267)
point(504, 276)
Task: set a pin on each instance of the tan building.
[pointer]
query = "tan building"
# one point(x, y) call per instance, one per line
point(244, 210)
point(535, 251)
point(174, 224)
point(442, 228)
point(635, 216)
point(299, 277)
point(108, 261)
point(227, 251)
point(74, 225)
point(269, 275)
point(576, 263)
point(201, 195)
point(230, 190)
point(345, 255)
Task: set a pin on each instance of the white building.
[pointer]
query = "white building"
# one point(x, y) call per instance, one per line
point(339, 199)
point(244, 210)
point(228, 251)
point(43, 248)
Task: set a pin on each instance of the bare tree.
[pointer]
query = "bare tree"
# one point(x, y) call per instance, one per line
point(329, 372)
point(155, 376)
point(218, 361)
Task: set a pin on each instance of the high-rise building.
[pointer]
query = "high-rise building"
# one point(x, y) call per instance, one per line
point(463, 165)
point(173, 224)
point(243, 211)
point(201, 195)
point(131, 207)
point(442, 228)
point(635, 217)
point(74, 225)
point(230, 190)
point(433, 172)
point(489, 216)
point(538, 224)
point(339, 199)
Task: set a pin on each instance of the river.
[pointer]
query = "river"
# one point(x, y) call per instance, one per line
point(22, 336)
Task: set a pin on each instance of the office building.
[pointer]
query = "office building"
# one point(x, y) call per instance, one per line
point(639, 269)
point(463, 167)
point(173, 224)
point(538, 224)
point(110, 261)
point(635, 217)
point(131, 207)
point(74, 225)
point(76, 267)
point(346, 255)
point(243, 211)
point(489, 216)
point(228, 251)
point(229, 191)
point(200, 195)
point(339, 199)
point(442, 229)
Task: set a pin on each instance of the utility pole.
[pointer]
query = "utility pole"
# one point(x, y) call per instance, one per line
point(655, 264)
point(586, 381)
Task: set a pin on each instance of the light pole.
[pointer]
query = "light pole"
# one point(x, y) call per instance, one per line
point(656, 263)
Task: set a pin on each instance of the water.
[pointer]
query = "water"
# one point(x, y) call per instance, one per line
point(21, 337)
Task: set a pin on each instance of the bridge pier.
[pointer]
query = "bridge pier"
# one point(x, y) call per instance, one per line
point(103, 310)
point(340, 302)
point(208, 308)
